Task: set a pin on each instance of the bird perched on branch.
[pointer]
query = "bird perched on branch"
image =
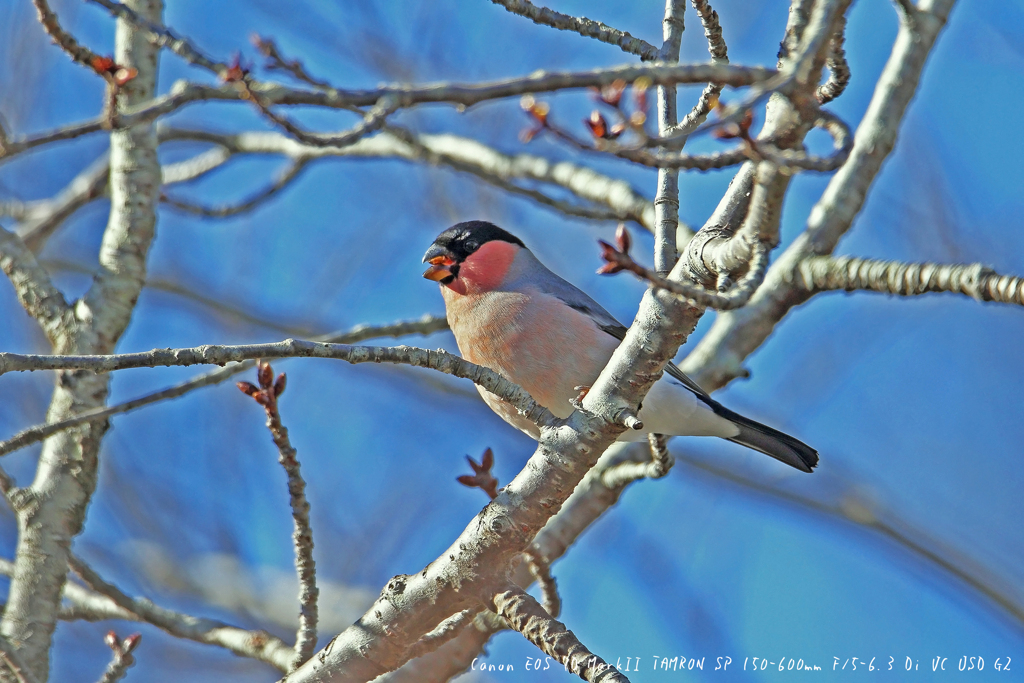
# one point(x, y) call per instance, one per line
point(511, 314)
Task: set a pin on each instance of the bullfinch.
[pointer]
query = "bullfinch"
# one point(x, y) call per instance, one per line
point(511, 314)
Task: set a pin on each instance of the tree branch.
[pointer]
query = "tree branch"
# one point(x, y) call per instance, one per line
point(258, 645)
point(184, 93)
point(51, 512)
point(32, 284)
point(267, 395)
point(524, 614)
point(839, 69)
point(666, 199)
point(425, 326)
point(719, 55)
point(583, 26)
point(465, 155)
point(717, 358)
point(283, 180)
point(441, 361)
point(825, 273)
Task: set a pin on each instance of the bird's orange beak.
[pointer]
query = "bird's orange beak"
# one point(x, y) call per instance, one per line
point(440, 268)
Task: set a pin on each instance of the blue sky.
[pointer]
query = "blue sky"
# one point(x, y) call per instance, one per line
point(914, 405)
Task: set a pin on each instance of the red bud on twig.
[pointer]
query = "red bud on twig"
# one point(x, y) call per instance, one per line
point(264, 373)
point(279, 385)
point(131, 642)
point(247, 388)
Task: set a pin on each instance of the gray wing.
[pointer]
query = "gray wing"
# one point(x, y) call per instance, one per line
point(576, 298)
point(751, 434)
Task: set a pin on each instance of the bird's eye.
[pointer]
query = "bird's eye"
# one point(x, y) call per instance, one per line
point(472, 245)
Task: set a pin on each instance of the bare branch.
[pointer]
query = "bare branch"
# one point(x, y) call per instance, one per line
point(37, 294)
point(524, 614)
point(583, 26)
point(825, 273)
point(163, 36)
point(719, 55)
point(44, 218)
point(426, 325)
point(839, 69)
point(283, 180)
point(628, 471)
point(123, 658)
point(716, 359)
point(466, 155)
point(184, 93)
point(51, 512)
point(441, 361)
point(373, 120)
point(737, 296)
point(276, 61)
point(666, 199)
point(540, 569)
point(253, 644)
point(10, 660)
point(267, 395)
point(63, 39)
point(445, 632)
point(591, 498)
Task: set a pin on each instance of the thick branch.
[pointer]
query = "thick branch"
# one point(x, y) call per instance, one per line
point(583, 26)
point(51, 512)
point(525, 614)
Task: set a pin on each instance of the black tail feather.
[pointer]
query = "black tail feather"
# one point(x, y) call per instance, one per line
point(763, 438)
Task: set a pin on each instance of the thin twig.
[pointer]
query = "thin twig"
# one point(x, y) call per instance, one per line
point(719, 55)
point(62, 38)
point(540, 568)
point(736, 297)
point(628, 471)
point(282, 181)
point(254, 644)
point(373, 120)
point(583, 26)
point(267, 395)
point(439, 360)
point(445, 631)
point(184, 93)
point(426, 325)
point(277, 62)
point(163, 36)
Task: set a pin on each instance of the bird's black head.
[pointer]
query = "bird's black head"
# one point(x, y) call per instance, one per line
point(457, 243)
